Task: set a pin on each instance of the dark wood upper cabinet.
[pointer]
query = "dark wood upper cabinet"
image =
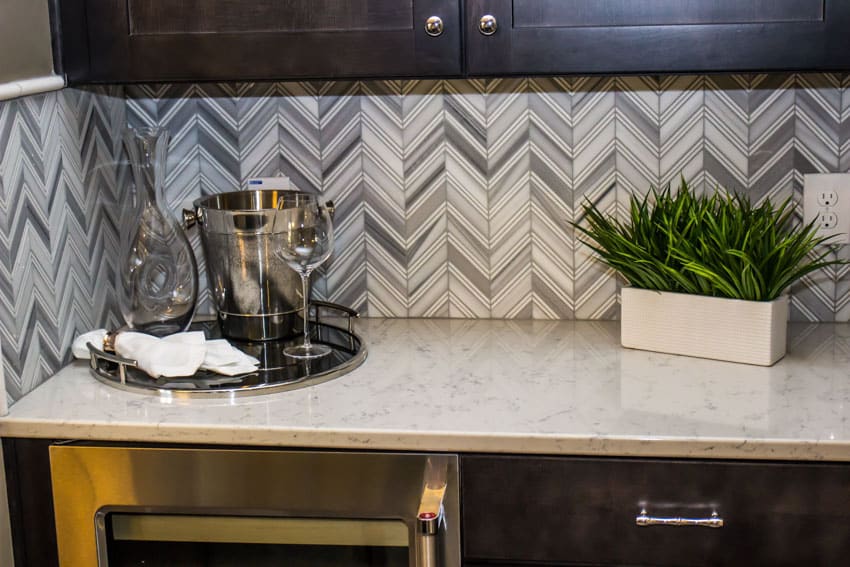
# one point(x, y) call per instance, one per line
point(657, 36)
point(215, 40)
point(177, 40)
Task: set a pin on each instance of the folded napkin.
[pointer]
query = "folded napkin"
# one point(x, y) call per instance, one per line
point(180, 354)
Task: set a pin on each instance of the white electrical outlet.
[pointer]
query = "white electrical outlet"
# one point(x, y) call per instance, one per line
point(826, 200)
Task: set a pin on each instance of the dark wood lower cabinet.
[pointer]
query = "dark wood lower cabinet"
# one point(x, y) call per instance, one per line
point(537, 510)
point(579, 511)
point(30, 502)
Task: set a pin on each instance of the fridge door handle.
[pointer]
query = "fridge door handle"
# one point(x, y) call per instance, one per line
point(429, 516)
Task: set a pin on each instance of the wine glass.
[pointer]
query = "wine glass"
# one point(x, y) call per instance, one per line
point(305, 232)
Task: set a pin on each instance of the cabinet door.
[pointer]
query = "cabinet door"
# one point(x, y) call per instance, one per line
point(657, 36)
point(586, 511)
point(30, 501)
point(176, 40)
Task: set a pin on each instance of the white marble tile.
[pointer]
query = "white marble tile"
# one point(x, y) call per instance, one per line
point(561, 387)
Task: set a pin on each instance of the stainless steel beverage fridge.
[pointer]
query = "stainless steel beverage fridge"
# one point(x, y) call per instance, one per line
point(158, 506)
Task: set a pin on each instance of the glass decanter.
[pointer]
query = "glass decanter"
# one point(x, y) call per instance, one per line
point(158, 275)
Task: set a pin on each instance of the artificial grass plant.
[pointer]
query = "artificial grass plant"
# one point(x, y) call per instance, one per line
point(718, 245)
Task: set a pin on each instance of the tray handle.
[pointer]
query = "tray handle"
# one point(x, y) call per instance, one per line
point(347, 311)
point(97, 355)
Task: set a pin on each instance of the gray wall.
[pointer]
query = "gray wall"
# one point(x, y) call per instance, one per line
point(453, 197)
point(25, 48)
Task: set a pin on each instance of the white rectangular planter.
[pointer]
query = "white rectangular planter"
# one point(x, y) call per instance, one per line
point(753, 332)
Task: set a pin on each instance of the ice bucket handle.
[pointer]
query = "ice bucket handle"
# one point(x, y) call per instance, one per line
point(329, 205)
point(191, 218)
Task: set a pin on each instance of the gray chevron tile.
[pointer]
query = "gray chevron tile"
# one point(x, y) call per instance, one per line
point(551, 173)
point(812, 298)
point(844, 128)
point(218, 164)
point(468, 224)
point(257, 126)
point(638, 135)
point(726, 131)
point(340, 123)
point(54, 275)
point(841, 277)
point(102, 114)
point(595, 285)
point(383, 178)
point(425, 197)
point(142, 105)
point(772, 161)
point(27, 312)
point(552, 250)
point(594, 180)
point(20, 128)
point(817, 143)
point(300, 138)
point(510, 197)
point(638, 102)
point(842, 274)
point(682, 131)
point(771, 136)
point(817, 122)
point(218, 138)
point(175, 108)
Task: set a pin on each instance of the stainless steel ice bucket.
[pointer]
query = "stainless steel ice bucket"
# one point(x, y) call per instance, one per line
point(257, 296)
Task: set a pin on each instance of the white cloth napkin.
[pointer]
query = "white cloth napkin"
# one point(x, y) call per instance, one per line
point(180, 354)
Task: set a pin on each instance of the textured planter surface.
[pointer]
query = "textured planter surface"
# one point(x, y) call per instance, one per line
point(753, 332)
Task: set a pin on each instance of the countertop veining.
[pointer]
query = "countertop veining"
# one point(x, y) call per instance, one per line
point(557, 387)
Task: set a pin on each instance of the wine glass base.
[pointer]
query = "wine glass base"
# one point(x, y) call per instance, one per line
point(303, 351)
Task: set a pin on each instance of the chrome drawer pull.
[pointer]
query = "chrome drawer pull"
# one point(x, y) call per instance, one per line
point(714, 521)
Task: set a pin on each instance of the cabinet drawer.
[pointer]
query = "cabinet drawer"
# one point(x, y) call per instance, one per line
point(583, 511)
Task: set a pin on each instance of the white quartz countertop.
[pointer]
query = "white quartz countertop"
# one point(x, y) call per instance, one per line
point(497, 386)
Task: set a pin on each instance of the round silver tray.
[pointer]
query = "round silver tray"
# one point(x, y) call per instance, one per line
point(276, 373)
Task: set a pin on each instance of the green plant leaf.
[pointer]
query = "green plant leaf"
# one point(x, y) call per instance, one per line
point(719, 244)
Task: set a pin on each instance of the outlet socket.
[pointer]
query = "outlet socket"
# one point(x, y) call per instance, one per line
point(826, 200)
point(828, 220)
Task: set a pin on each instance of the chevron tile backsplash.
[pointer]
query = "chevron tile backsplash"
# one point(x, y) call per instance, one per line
point(453, 197)
point(57, 237)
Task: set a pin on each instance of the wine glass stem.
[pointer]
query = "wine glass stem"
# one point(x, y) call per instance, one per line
point(305, 290)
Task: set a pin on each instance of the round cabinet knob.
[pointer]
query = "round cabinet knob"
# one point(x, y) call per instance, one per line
point(434, 26)
point(488, 25)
